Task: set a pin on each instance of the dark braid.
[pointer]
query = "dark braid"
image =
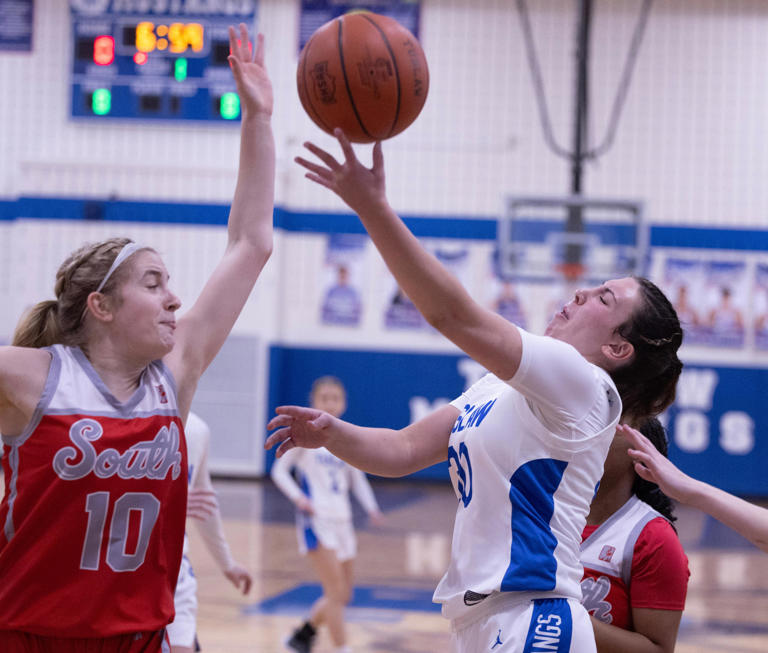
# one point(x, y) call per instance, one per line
point(645, 490)
point(647, 385)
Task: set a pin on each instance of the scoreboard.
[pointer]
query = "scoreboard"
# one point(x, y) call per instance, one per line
point(155, 60)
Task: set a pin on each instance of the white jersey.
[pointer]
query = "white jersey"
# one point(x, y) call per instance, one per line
point(210, 527)
point(325, 480)
point(525, 457)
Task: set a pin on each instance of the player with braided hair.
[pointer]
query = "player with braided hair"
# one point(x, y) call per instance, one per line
point(525, 445)
point(94, 393)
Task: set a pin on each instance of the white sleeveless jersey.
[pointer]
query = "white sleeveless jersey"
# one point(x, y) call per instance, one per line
point(326, 480)
point(524, 488)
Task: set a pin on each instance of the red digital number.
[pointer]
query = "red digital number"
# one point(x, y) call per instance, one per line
point(104, 50)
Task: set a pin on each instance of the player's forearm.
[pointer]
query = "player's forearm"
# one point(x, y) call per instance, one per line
point(250, 218)
point(380, 451)
point(745, 518)
point(285, 483)
point(211, 530)
point(429, 285)
point(612, 639)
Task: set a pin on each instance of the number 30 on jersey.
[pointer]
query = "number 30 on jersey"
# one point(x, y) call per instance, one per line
point(460, 469)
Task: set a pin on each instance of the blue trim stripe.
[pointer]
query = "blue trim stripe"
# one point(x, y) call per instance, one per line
point(710, 238)
point(99, 210)
point(305, 486)
point(455, 226)
point(310, 537)
point(7, 210)
point(532, 563)
point(551, 627)
point(463, 227)
point(537, 231)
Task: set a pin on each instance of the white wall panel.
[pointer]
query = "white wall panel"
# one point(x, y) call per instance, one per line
point(689, 142)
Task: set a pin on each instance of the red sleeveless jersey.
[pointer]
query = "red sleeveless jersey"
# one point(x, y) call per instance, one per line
point(633, 560)
point(95, 501)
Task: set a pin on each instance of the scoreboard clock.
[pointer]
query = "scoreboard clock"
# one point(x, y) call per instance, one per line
point(155, 60)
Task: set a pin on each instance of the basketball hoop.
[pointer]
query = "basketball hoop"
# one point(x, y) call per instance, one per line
point(571, 271)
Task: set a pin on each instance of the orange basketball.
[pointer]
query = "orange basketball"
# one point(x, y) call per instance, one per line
point(365, 73)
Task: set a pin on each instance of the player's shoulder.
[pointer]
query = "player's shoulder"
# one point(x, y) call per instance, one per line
point(487, 383)
point(659, 535)
point(19, 359)
point(23, 370)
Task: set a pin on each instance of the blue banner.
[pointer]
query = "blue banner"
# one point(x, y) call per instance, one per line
point(717, 427)
point(714, 426)
point(316, 13)
point(384, 389)
point(16, 21)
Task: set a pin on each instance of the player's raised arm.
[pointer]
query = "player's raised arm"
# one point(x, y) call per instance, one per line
point(380, 451)
point(482, 334)
point(203, 329)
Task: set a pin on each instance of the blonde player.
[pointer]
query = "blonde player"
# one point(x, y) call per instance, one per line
point(324, 520)
point(93, 397)
point(203, 507)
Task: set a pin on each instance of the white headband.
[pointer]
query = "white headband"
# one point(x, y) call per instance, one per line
point(128, 249)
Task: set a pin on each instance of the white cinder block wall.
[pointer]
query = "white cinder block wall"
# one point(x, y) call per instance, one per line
point(690, 142)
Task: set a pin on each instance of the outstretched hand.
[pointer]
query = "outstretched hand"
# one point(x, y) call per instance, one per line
point(240, 577)
point(363, 189)
point(298, 427)
point(253, 84)
point(653, 466)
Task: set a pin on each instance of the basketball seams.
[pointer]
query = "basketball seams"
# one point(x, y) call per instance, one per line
point(381, 65)
point(396, 68)
point(309, 106)
point(346, 80)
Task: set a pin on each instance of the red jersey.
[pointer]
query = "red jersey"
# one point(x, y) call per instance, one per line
point(94, 508)
point(633, 560)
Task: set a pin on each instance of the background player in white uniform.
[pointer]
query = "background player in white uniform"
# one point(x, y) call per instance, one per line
point(525, 452)
point(203, 507)
point(324, 519)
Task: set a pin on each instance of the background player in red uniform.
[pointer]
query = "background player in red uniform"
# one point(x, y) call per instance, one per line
point(92, 521)
point(635, 570)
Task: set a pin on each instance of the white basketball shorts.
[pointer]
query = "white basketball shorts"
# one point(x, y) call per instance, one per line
point(335, 534)
point(555, 625)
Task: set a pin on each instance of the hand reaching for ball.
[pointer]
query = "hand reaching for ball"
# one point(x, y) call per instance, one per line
point(363, 189)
